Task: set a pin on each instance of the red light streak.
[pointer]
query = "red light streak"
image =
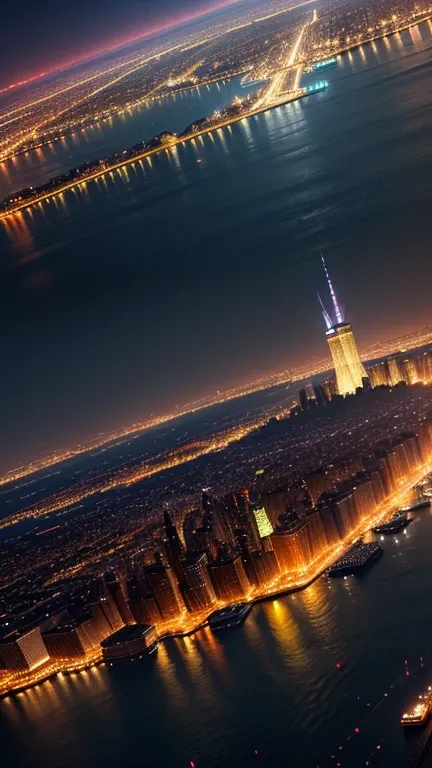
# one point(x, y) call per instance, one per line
point(120, 43)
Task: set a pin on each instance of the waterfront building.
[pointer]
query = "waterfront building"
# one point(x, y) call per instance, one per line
point(330, 528)
point(105, 617)
point(348, 367)
point(266, 567)
point(23, 651)
point(196, 588)
point(164, 587)
point(70, 641)
point(142, 603)
point(292, 548)
point(129, 641)
point(116, 591)
point(344, 512)
point(377, 486)
point(228, 577)
point(363, 498)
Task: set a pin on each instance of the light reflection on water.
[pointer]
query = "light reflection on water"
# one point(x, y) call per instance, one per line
point(271, 684)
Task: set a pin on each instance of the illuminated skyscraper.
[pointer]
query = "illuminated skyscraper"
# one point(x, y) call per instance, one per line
point(23, 651)
point(395, 370)
point(346, 359)
point(264, 525)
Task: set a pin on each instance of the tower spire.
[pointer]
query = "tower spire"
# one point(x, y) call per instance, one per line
point(332, 294)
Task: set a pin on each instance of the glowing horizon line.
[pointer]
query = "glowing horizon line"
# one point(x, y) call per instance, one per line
point(117, 46)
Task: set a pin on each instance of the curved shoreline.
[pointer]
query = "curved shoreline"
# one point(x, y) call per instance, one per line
point(145, 154)
point(382, 512)
point(289, 97)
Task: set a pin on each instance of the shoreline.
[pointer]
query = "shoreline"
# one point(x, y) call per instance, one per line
point(288, 98)
point(295, 96)
point(384, 510)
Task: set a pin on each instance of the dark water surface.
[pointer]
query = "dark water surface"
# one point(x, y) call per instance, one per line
point(271, 685)
point(115, 294)
point(91, 309)
point(119, 132)
point(89, 294)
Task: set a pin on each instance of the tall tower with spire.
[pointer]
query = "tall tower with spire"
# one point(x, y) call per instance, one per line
point(348, 367)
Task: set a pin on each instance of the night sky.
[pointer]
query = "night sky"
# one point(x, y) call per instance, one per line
point(40, 36)
point(188, 278)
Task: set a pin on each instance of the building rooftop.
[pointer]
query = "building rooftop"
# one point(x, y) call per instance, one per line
point(126, 634)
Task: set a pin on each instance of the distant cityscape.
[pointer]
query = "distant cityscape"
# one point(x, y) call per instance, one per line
point(207, 562)
point(305, 37)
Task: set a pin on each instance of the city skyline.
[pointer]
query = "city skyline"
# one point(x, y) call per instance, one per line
point(216, 383)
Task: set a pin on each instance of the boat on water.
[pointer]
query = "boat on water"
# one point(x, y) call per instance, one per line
point(419, 712)
point(356, 560)
point(317, 66)
point(231, 616)
point(398, 522)
point(317, 87)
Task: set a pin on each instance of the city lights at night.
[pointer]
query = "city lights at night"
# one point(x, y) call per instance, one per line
point(216, 457)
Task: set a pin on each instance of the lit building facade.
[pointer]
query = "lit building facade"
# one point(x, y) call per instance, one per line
point(25, 651)
point(264, 525)
point(348, 367)
point(229, 579)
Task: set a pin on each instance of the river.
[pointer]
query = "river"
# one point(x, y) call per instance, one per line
point(89, 292)
point(238, 219)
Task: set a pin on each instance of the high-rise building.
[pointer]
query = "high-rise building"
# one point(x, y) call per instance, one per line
point(348, 367)
point(409, 371)
point(191, 522)
point(303, 399)
point(70, 641)
point(174, 546)
point(395, 370)
point(115, 589)
point(264, 525)
point(23, 651)
point(164, 587)
point(246, 521)
point(228, 577)
point(378, 375)
point(196, 588)
point(142, 604)
point(274, 505)
point(425, 367)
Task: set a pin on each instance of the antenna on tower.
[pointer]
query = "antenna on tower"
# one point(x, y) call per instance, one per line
point(332, 293)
